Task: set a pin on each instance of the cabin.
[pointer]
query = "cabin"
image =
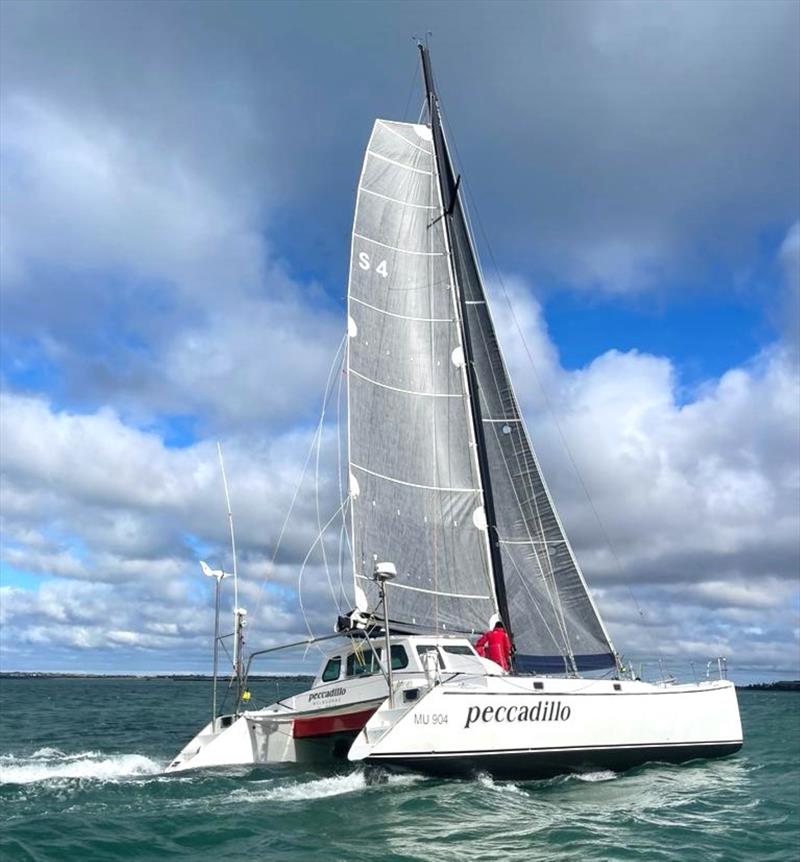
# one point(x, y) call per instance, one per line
point(363, 657)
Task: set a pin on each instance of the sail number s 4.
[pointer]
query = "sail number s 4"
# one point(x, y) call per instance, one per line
point(430, 718)
point(366, 264)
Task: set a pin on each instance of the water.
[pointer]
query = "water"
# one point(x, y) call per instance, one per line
point(80, 764)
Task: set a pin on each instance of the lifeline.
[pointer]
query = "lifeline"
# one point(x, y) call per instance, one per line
point(543, 711)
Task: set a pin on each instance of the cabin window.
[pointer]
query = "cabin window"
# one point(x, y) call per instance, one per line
point(332, 669)
point(399, 657)
point(423, 648)
point(367, 661)
point(362, 662)
point(458, 649)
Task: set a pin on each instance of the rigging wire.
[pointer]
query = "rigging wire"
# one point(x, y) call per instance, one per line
point(414, 79)
point(321, 533)
point(344, 536)
point(295, 496)
point(320, 429)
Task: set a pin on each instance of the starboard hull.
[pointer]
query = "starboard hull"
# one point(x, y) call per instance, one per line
point(522, 765)
point(509, 729)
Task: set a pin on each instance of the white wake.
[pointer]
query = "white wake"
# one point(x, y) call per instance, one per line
point(49, 764)
point(320, 788)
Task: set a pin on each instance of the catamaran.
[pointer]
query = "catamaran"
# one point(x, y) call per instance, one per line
point(452, 527)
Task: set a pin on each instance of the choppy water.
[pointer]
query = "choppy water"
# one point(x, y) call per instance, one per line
point(80, 765)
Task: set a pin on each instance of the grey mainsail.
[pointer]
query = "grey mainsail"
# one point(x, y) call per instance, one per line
point(414, 484)
point(444, 480)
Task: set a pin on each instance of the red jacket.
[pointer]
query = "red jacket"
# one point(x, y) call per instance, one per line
point(495, 645)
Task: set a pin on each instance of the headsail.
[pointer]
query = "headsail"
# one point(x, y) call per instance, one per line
point(415, 490)
point(554, 621)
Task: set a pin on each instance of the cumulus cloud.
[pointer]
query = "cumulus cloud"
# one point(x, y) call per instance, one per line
point(98, 508)
point(688, 488)
point(167, 295)
point(693, 504)
point(609, 143)
point(177, 189)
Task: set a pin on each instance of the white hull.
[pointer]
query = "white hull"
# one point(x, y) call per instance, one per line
point(274, 736)
point(318, 724)
point(314, 726)
point(521, 727)
point(465, 716)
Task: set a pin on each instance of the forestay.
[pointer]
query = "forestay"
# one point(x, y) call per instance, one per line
point(414, 485)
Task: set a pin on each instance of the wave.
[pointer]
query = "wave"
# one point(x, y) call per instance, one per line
point(503, 787)
point(600, 775)
point(49, 764)
point(321, 788)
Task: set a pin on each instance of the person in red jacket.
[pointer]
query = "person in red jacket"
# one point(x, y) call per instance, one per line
point(496, 645)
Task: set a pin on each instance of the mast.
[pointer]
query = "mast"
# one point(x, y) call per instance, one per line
point(449, 191)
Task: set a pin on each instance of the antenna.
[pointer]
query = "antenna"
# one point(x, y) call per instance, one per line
point(236, 645)
point(230, 523)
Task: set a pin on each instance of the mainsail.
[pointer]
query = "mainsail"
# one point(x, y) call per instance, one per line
point(443, 478)
point(414, 483)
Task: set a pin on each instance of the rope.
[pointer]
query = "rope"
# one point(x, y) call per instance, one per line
point(305, 562)
point(296, 494)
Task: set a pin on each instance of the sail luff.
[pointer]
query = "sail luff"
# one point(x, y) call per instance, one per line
point(474, 442)
point(348, 418)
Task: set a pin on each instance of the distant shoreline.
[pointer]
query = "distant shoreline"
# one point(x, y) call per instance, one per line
point(175, 677)
point(781, 685)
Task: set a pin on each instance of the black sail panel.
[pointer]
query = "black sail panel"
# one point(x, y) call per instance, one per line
point(551, 613)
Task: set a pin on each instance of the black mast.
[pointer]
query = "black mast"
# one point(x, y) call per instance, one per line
point(448, 185)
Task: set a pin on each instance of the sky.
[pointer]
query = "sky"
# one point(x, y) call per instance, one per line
point(177, 191)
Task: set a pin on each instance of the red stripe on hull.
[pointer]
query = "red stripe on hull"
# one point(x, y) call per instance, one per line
point(322, 725)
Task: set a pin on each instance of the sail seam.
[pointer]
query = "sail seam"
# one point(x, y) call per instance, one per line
point(395, 248)
point(415, 484)
point(398, 164)
point(399, 586)
point(402, 316)
point(397, 134)
point(531, 541)
point(396, 200)
point(404, 391)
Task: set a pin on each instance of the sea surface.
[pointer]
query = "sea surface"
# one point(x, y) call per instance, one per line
point(80, 779)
